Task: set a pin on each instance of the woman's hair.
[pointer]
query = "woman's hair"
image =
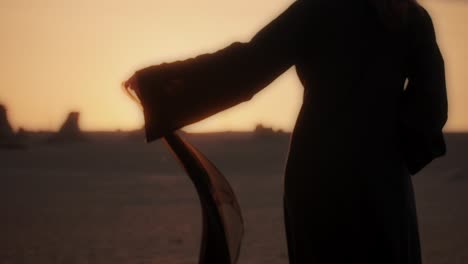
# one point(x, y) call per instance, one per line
point(392, 13)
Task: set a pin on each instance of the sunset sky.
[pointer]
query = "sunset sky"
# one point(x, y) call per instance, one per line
point(67, 55)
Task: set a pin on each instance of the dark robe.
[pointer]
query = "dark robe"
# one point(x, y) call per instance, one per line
point(360, 134)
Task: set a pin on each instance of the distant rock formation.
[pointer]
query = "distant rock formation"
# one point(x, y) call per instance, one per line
point(8, 138)
point(6, 132)
point(70, 130)
point(262, 132)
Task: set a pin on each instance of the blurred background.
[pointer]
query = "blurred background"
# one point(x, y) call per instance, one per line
point(79, 185)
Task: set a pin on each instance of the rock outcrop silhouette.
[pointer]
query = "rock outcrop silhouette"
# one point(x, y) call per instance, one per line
point(8, 137)
point(70, 130)
point(6, 132)
point(267, 132)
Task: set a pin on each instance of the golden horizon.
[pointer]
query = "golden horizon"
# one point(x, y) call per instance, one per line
point(63, 56)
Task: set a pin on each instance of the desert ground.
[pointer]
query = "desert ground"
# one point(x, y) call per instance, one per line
point(112, 198)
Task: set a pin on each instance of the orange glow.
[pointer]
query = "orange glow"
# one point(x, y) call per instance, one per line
point(59, 56)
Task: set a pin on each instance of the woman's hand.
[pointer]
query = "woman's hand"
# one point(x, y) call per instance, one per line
point(132, 89)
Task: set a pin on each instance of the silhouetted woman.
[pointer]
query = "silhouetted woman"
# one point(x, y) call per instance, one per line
point(360, 133)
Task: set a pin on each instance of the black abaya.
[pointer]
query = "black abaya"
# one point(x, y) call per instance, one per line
point(348, 194)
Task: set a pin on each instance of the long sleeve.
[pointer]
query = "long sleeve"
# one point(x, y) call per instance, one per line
point(424, 104)
point(210, 83)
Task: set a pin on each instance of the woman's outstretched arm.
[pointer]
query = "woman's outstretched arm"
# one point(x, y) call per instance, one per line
point(180, 93)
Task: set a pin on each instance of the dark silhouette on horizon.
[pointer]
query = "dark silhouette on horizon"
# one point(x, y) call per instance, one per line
point(360, 134)
point(69, 131)
point(6, 131)
point(8, 138)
